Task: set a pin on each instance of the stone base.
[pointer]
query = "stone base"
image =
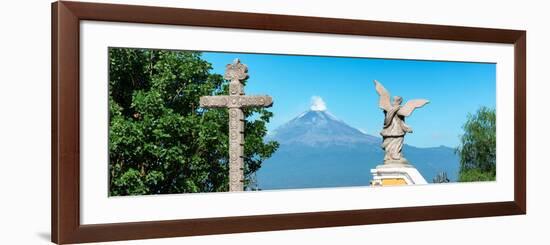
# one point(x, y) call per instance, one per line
point(396, 174)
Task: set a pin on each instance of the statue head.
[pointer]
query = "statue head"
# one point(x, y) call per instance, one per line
point(397, 100)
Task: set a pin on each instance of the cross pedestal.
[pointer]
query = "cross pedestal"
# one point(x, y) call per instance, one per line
point(235, 102)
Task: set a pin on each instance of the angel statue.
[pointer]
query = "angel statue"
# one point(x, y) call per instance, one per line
point(395, 128)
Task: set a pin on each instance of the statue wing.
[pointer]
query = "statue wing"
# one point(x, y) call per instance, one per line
point(407, 109)
point(384, 100)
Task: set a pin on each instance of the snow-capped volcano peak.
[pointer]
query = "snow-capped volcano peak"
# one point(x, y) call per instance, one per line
point(320, 127)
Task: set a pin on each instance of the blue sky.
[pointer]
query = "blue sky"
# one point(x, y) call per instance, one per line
point(346, 86)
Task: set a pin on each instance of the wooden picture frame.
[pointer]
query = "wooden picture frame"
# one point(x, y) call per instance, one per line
point(65, 174)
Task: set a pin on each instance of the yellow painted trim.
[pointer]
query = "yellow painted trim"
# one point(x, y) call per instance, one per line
point(393, 181)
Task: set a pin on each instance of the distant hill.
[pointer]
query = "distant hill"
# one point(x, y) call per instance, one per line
point(319, 150)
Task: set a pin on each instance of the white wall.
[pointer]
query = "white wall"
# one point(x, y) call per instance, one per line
point(25, 121)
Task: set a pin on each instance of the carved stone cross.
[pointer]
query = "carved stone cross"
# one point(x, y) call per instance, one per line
point(235, 102)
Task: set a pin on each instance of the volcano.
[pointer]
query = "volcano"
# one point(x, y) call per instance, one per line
point(320, 128)
point(319, 150)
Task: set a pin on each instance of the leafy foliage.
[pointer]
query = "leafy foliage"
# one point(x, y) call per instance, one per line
point(478, 147)
point(160, 140)
point(476, 175)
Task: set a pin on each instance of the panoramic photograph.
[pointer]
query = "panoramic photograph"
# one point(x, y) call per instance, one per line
point(200, 121)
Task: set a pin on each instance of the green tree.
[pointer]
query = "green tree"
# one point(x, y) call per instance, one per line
point(478, 147)
point(160, 140)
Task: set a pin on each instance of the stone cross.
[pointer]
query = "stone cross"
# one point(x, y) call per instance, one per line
point(235, 102)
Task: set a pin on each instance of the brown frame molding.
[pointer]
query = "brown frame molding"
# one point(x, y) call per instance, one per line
point(65, 175)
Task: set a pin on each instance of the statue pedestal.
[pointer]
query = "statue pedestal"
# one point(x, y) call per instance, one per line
point(396, 174)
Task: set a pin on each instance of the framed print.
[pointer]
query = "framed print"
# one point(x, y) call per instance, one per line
point(176, 122)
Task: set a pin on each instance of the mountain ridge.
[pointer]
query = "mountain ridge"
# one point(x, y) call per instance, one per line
point(319, 150)
point(313, 127)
